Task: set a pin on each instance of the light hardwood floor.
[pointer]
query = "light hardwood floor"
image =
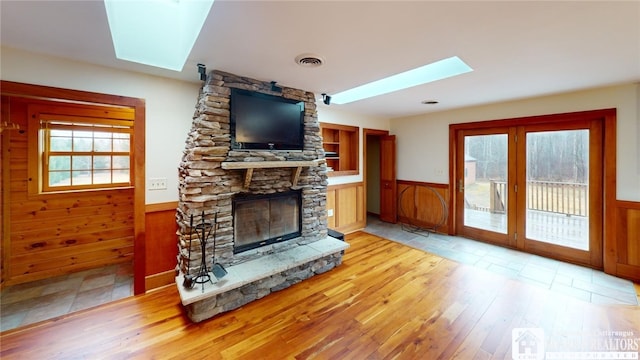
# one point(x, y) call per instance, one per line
point(385, 301)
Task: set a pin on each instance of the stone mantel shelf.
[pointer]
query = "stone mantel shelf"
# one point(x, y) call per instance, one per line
point(250, 165)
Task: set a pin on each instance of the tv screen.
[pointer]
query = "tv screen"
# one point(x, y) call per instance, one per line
point(261, 121)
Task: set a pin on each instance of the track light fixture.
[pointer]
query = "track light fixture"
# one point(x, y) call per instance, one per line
point(326, 99)
point(202, 70)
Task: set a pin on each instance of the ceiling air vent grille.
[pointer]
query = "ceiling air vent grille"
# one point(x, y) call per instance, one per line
point(309, 60)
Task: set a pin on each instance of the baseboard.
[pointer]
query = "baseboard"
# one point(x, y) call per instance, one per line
point(159, 280)
point(350, 228)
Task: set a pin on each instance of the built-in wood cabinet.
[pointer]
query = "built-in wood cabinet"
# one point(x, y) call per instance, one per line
point(346, 207)
point(340, 143)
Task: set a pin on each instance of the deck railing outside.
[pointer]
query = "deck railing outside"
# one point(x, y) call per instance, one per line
point(556, 197)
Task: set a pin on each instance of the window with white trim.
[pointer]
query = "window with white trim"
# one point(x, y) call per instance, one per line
point(84, 152)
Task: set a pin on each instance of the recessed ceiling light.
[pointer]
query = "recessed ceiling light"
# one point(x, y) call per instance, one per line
point(425, 74)
point(430, 102)
point(309, 60)
point(157, 33)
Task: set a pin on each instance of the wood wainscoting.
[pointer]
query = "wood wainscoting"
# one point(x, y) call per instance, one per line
point(425, 205)
point(162, 248)
point(624, 250)
point(347, 202)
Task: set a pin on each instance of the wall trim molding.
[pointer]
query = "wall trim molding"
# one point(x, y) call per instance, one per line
point(627, 204)
point(160, 279)
point(165, 206)
point(345, 186)
point(430, 184)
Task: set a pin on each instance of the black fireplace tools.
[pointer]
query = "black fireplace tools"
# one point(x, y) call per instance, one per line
point(217, 269)
point(203, 231)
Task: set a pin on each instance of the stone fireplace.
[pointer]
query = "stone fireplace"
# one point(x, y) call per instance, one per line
point(268, 207)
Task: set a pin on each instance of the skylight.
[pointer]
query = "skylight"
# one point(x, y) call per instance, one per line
point(159, 33)
point(425, 74)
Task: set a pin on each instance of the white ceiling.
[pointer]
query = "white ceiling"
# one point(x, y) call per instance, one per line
point(517, 49)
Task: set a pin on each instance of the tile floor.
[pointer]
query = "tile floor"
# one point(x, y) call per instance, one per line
point(577, 281)
point(40, 300)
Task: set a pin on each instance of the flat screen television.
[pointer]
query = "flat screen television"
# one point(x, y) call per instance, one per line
point(262, 121)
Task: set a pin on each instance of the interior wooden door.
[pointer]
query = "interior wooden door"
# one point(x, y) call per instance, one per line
point(388, 187)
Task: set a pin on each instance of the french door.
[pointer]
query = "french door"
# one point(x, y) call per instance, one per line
point(486, 172)
point(534, 187)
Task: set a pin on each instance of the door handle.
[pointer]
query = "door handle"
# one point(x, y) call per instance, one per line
point(460, 185)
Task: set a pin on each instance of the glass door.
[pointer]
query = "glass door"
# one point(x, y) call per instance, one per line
point(534, 187)
point(557, 188)
point(562, 191)
point(485, 191)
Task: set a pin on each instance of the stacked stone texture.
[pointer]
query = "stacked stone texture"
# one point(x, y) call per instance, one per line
point(236, 298)
point(206, 188)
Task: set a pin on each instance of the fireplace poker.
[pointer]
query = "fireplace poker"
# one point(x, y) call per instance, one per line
point(218, 270)
point(188, 278)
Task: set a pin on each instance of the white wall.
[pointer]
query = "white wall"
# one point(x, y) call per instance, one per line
point(330, 114)
point(423, 141)
point(169, 103)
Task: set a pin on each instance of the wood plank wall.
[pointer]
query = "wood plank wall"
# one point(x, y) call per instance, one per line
point(420, 204)
point(61, 233)
point(162, 248)
point(627, 240)
point(348, 204)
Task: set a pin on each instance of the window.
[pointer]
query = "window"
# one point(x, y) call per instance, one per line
point(82, 152)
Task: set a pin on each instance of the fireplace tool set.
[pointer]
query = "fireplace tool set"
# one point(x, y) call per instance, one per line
point(203, 231)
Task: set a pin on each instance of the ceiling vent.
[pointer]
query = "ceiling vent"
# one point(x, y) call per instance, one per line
point(309, 60)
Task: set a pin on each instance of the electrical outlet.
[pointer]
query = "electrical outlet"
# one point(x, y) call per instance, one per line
point(158, 184)
point(330, 212)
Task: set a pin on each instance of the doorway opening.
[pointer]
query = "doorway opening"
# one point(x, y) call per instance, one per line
point(379, 153)
point(90, 237)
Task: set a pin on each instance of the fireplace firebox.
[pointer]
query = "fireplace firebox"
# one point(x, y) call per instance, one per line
point(265, 219)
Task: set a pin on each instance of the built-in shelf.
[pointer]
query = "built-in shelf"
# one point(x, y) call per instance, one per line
point(340, 143)
point(297, 166)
